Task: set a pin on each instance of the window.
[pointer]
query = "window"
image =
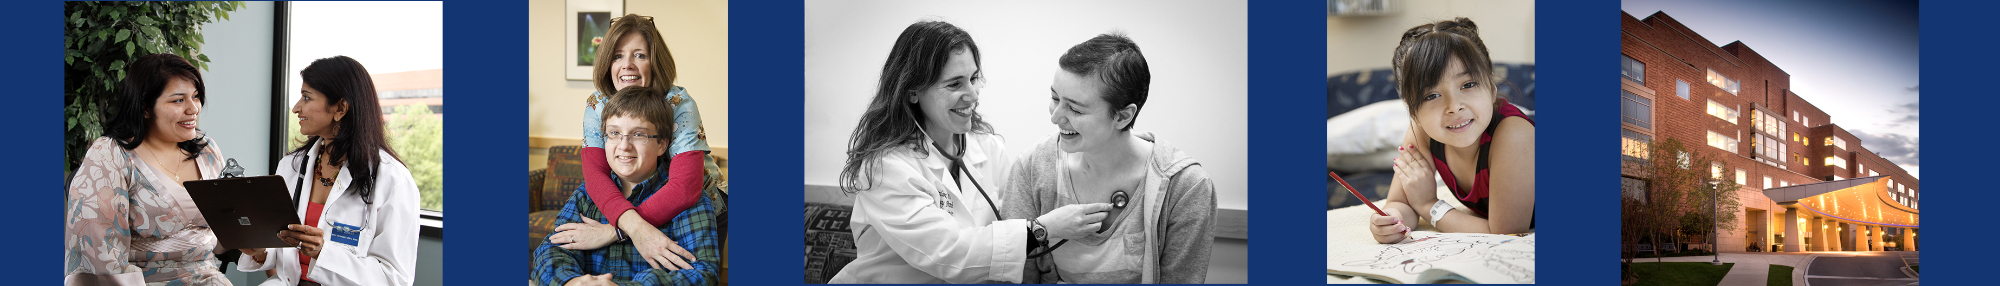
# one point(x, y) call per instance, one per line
point(1635, 146)
point(1768, 147)
point(1632, 69)
point(1836, 142)
point(1637, 110)
point(1768, 123)
point(1715, 170)
point(404, 52)
point(1681, 88)
point(1717, 79)
point(1726, 113)
point(1767, 182)
point(1724, 142)
point(1836, 161)
point(1633, 188)
point(1837, 178)
point(1741, 177)
point(1782, 183)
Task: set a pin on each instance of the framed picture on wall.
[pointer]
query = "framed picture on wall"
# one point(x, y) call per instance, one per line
point(588, 19)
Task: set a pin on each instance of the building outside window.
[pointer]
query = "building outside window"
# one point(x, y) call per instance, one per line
point(1637, 110)
point(1724, 82)
point(1632, 69)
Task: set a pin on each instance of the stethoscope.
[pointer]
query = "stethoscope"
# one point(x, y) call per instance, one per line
point(1119, 198)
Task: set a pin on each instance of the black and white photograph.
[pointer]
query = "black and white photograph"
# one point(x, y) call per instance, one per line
point(1026, 142)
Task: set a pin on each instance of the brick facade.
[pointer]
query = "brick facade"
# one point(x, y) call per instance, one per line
point(1670, 52)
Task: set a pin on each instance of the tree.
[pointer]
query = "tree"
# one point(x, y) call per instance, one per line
point(99, 38)
point(418, 136)
point(1674, 190)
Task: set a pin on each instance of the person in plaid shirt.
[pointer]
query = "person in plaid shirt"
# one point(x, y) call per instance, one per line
point(585, 251)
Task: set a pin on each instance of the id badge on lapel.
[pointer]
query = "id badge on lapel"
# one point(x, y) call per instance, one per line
point(346, 234)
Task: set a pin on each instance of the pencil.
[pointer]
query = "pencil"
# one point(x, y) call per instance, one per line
point(1357, 194)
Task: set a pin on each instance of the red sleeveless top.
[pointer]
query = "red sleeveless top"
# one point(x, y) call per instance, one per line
point(312, 219)
point(1476, 198)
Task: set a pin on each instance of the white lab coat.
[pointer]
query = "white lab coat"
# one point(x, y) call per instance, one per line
point(912, 224)
point(386, 251)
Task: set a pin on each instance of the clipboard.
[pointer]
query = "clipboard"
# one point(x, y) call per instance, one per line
point(245, 212)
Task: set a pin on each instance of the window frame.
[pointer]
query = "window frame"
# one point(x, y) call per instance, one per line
point(431, 221)
point(1626, 62)
point(1731, 85)
point(1627, 97)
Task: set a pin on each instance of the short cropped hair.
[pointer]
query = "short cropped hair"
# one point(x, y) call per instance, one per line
point(645, 103)
point(1115, 61)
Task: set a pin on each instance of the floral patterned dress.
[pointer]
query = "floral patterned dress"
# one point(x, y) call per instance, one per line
point(126, 223)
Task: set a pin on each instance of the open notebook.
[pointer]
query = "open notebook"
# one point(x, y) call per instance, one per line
point(1431, 258)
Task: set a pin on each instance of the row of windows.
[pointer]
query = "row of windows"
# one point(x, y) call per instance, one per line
point(1726, 113)
point(1636, 110)
point(1836, 162)
point(1836, 142)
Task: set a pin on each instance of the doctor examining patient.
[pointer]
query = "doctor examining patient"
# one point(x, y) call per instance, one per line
point(938, 198)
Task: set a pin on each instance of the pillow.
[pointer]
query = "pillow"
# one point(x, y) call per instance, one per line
point(1367, 129)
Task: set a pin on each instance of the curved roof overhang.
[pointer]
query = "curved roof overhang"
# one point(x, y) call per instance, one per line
point(1859, 200)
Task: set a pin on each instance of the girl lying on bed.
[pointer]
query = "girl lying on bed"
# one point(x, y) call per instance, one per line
point(1460, 130)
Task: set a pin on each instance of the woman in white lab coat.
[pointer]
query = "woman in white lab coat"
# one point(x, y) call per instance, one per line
point(357, 200)
point(916, 164)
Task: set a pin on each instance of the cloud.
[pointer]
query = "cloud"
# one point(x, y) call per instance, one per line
point(1909, 114)
point(1897, 148)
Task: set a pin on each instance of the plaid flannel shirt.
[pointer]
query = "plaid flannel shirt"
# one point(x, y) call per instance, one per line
point(694, 229)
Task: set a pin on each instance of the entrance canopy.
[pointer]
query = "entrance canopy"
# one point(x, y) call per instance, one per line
point(1860, 200)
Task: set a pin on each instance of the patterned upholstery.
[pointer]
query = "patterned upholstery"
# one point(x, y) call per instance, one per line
point(565, 173)
point(829, 242)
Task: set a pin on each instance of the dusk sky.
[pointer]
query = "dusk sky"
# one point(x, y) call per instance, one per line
point(1856, 60)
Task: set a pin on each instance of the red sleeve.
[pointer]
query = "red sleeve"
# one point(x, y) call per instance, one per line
point(682, 191)
point(603, 191)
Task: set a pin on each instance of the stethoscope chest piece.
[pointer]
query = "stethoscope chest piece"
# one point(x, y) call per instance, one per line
point(1119, 199)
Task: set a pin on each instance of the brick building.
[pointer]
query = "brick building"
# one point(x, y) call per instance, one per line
point(1807, 184)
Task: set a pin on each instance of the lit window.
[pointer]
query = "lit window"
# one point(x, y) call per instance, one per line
point(1726, 113)
point(1681, 88)
point(1724, 142)
point(1837, 178)
point(1782, 183)
point(1767, 123)
point(1836, 161)
point(1767, 182)
point(1632, 69)
point(1635, 146)
point(1637, 110)
point(1730, 85)
point(1742, 177)
point(1836, 142)
point(1715, 170)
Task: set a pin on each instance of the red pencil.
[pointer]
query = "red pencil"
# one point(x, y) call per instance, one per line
point(1357, 194)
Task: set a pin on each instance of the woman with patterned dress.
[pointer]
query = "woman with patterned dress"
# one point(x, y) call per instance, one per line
point(126, 218)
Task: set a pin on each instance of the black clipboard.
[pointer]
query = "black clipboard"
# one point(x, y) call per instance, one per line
point(245, 212)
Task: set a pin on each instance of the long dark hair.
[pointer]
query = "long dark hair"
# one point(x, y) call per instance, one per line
point(341, 79)
point(1425, 49)
point(144, 80)
point(891, 120)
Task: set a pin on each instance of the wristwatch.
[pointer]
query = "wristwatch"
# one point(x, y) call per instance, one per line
point(1037, 232)
point(1438, 210)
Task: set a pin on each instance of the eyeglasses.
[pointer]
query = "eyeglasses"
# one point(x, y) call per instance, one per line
point(647, 18)
point(615, 137)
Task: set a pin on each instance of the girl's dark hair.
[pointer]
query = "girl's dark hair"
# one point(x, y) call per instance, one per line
point(145, 79)
point(656, 47)
point(1421, 57)
point(892, 121)
point(341, 79)
point(1116, 61)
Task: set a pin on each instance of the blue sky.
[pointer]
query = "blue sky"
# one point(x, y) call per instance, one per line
point(1854, 59)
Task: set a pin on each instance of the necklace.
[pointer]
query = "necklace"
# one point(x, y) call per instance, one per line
point(320, 173)
point(173, 169)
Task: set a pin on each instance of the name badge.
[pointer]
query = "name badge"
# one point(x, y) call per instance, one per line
point(346, 234)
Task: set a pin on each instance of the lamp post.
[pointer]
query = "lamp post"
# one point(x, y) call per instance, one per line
point(1714, 212)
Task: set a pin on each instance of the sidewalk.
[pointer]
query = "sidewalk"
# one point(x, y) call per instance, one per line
point(1751, 269)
